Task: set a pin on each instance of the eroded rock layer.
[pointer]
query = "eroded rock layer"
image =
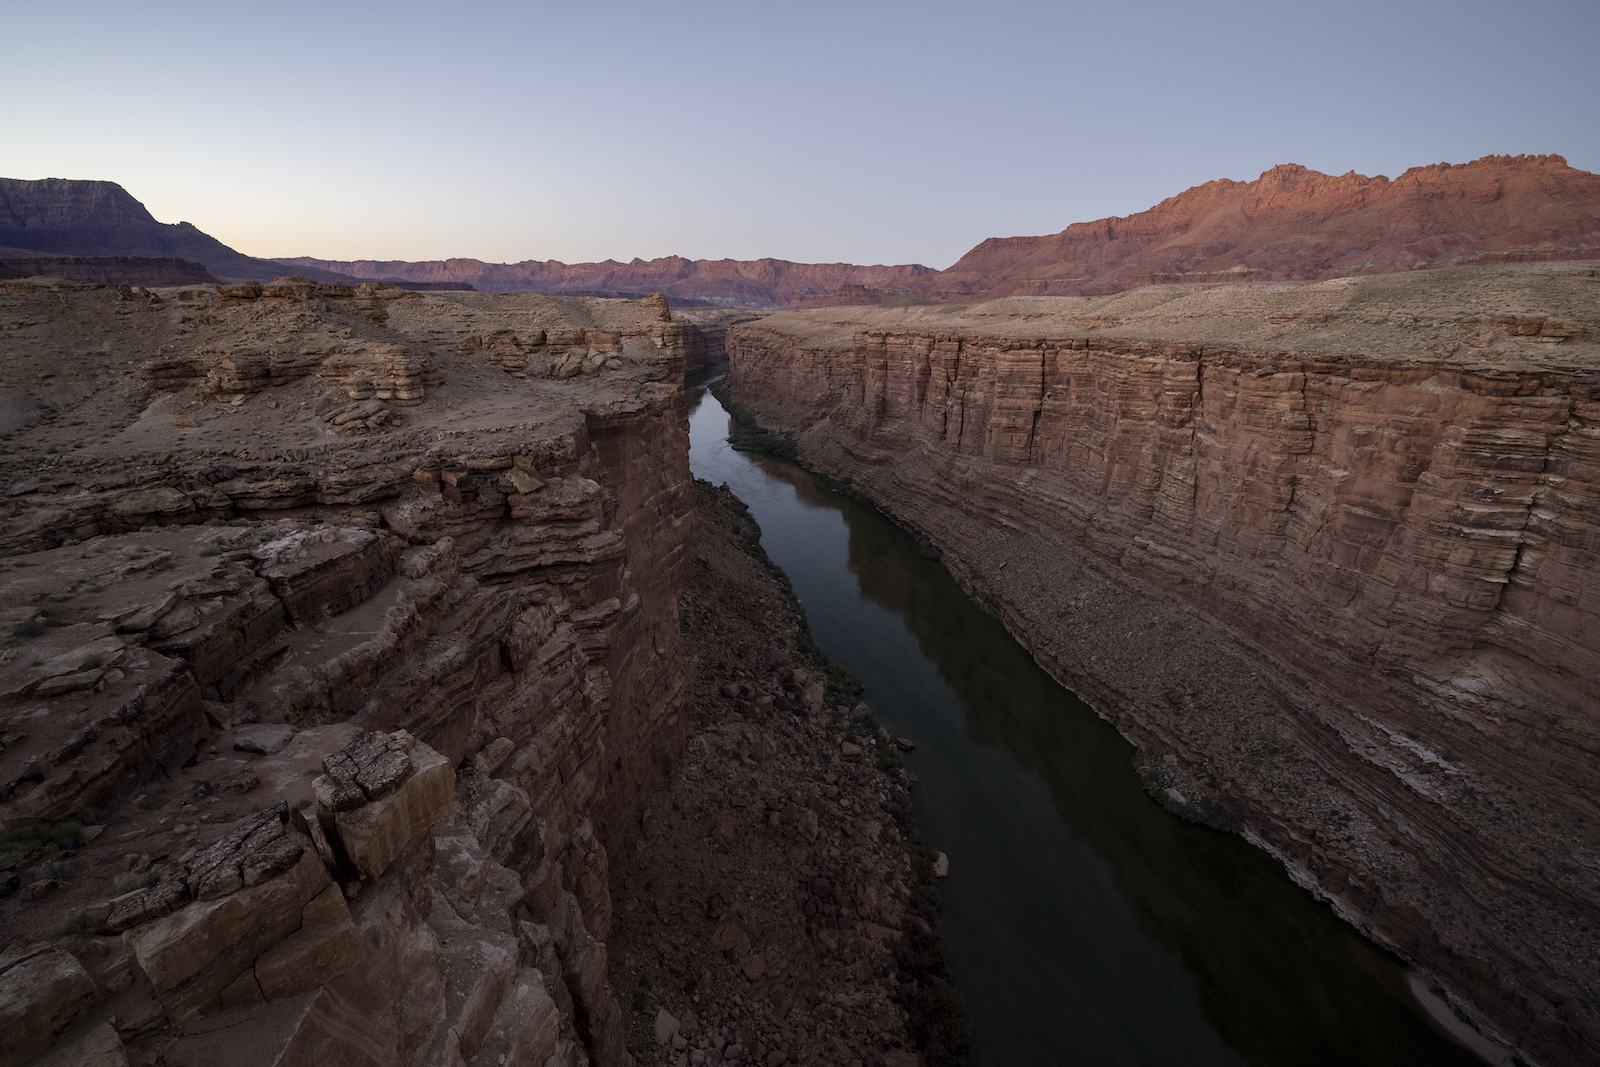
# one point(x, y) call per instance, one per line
point(398, 573)
point(1327, 553)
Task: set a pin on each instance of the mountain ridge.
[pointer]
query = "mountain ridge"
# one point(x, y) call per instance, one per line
point(1295, 223)
point(739, 282)
point(1291, 223)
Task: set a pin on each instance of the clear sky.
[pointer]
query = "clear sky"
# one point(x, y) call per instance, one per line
point(866, 131)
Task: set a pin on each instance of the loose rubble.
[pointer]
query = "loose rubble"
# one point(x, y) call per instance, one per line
point(761, 914)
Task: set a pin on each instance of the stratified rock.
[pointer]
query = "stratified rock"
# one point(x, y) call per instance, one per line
point(307, 958)
point(1333, 542)
point(191, 955)
point(380, 795)
point(1293, 222)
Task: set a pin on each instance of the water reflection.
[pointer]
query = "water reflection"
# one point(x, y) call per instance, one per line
point(1086, 925)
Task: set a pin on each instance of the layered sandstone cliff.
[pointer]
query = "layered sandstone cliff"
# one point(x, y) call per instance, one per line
point(705, 334)
point(1325, 552)
point(1296, 223)
point(396, 572)
point(346, 716)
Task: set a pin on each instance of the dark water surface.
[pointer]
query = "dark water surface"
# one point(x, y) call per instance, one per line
point(1086, 924)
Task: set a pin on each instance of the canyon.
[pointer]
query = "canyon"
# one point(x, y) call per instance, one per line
point(1324, 551)
point(378, 686)
point(363, 664)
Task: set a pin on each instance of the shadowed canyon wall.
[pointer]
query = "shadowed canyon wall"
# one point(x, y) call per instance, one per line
point(408, 591)
point(1327, 554)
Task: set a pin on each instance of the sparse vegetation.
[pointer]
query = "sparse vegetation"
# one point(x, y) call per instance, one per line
point(748, 434)
point(127, 883)
point(76, 924)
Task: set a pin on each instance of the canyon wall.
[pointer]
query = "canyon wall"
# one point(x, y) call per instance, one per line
point(705, 334)
point(1326, 554)
point(397, 573)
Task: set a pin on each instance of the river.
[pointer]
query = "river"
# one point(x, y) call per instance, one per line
point(1086, 924)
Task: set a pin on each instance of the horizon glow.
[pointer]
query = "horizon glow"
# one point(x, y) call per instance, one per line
point(826, 132)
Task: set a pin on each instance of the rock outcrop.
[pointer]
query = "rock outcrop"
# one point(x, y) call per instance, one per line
point(705, 334)
point(1326, 553)
point(397, 571)
point(1296, 223)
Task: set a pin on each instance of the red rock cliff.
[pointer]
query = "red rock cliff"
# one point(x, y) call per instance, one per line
point(1293, 222)
point(1344, 595)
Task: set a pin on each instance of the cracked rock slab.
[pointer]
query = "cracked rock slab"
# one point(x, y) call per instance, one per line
point(380, 794)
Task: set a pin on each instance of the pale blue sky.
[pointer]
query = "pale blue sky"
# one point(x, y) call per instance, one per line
point(866, 132)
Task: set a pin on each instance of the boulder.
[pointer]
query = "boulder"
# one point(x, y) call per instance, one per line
point(307, 958)
point(96, 1046)
point(264, 738)
point(43, 990)
point(193, 954)
point(380, 794)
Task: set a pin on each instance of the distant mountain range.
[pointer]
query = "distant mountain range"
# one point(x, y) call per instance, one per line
point(733, 282)
point(1291, 223)
point(1296, 223)
point(67, 217)
point(58, 216)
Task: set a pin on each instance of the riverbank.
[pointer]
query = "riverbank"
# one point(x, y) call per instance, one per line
point(779, 898)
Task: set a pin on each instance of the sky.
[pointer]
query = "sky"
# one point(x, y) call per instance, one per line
point(864, 132)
